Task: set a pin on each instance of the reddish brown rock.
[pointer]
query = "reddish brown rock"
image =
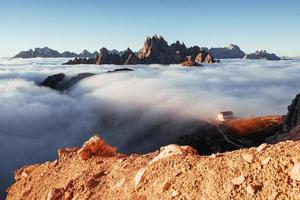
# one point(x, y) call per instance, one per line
point(96, 146)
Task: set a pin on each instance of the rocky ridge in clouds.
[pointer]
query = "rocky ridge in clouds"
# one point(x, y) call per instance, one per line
point(155, 51)
point(262, 55)
point(229, 52)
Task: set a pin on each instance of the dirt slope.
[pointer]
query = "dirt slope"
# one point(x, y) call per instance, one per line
point(254, 126)
point(96, 171)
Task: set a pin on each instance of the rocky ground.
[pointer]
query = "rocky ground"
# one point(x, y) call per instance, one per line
point(96, 171)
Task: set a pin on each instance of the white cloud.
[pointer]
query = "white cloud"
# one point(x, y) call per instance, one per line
point(136, 111)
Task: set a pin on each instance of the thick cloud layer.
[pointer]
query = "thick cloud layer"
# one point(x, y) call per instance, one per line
point(135, 111)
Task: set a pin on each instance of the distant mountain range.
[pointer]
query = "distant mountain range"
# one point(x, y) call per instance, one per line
point(50, 53)
point(155, 50)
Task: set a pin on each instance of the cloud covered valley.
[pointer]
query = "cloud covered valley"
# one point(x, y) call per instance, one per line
point(136, 111)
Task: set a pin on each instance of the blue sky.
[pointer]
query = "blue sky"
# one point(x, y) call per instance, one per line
point(89, 24)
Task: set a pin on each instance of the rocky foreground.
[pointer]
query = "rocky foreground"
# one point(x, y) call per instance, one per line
point(97, 171)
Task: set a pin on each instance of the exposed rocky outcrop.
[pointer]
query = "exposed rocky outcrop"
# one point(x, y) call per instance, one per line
point(231, 51)
point(262, 55)
point(62, 83)
point(53, 81)
point(210, 59)
point(129, 58)
point(173, 172)
point(293, 116)
point(107, 57)
point(155, 51)
point(95, 146)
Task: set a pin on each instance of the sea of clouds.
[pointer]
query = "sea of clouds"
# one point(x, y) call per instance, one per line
point(136, 111)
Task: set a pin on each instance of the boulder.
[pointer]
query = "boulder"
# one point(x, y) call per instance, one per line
point(262, 55)
point(172, 150)
point(96, 146)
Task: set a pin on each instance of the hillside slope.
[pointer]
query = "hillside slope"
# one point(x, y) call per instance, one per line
point(96, 171)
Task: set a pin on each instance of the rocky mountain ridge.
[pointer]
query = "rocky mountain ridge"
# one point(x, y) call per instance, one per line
point(155, 51)
point(50, 53)
point(262, 55)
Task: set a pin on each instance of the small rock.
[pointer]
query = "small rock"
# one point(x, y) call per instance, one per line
point(248, 157)
point(166, 186)
point(262, 147)
point(139, 177)
point(250, 190)
point(265, 161)
point(55, 194)
point(175, 193)
point(273, 196)
point(120, 183)
point(239, 180)
point(24, 174)
point(68, 196)
point(295, 172)
point(171, 150)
